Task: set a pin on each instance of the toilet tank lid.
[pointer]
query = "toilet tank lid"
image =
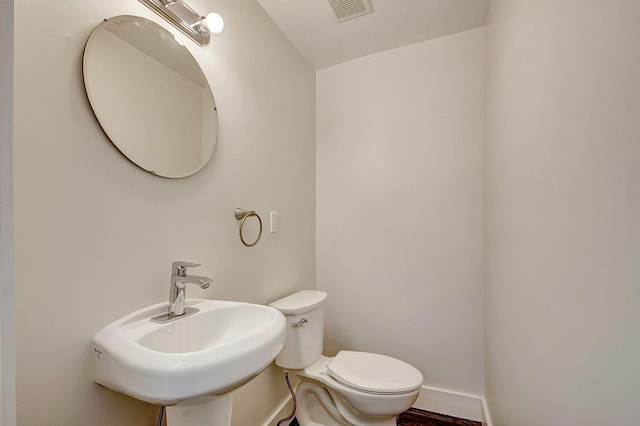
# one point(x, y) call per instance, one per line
point(300, 302)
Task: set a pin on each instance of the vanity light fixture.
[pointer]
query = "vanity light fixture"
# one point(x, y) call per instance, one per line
point(180, 15)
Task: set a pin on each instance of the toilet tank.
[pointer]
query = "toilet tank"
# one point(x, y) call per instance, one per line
point(304, 312)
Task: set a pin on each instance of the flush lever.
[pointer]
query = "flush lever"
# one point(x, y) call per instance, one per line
point(300, 323)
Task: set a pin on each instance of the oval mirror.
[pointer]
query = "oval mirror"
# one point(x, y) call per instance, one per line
point(150, 96)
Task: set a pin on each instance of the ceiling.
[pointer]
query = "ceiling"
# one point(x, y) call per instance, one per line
point(312, 26)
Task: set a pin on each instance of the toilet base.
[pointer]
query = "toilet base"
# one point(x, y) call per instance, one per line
point(334, 406)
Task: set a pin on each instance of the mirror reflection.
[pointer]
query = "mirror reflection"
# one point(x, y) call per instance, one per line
point(150, 96)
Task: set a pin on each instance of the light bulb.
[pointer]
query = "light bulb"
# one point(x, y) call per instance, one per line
point(214, 22)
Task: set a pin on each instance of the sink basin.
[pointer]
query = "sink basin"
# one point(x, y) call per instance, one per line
point(208, 353)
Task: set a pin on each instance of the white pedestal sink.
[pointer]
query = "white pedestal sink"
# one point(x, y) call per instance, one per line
point(191, 364)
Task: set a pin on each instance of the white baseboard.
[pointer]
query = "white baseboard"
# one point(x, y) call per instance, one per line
point(451, 403)
point(441, 401)
point(486, 416)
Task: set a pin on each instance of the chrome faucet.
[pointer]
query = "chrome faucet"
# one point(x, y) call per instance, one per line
point(179, 281)
point(178, 291)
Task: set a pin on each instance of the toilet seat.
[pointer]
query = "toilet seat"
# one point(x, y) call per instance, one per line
point(361, 397)
point(374, 373)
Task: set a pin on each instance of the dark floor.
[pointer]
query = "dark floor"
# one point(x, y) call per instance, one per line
point(415, 417)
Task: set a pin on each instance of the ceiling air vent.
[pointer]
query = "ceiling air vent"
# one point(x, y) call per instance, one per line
point(348, 9)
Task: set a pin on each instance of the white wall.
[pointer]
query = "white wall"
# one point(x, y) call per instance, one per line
point(563, 212)
point(399, 205)
point(95, 235)
point(7, 335)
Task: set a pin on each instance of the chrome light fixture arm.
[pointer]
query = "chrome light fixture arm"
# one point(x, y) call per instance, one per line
point(183, 17)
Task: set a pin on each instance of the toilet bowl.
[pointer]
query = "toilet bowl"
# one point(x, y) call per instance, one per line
point(354, 388)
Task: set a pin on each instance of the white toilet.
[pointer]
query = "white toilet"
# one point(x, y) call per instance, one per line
point(355, 388)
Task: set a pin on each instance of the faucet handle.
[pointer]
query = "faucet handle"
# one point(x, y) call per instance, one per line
point(179, 267)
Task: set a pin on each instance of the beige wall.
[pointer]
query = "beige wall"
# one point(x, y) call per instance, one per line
point(399, 205)
point(7, 336)
point(562, 194)
point(95, 235)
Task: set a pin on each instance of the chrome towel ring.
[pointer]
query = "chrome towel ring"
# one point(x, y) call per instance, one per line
point(242, 215)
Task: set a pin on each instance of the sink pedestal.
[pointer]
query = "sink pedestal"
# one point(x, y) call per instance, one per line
point(213, 411)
